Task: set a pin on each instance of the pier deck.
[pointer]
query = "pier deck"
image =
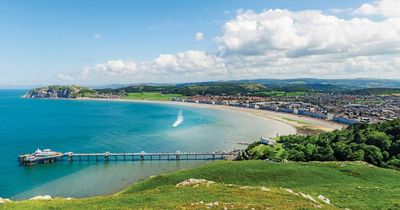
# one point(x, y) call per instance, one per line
point(120, 156)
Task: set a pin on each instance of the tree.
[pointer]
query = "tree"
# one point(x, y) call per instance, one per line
point(379, 139)
point(385, 156)
point(394, 163)
point(309, 151)
point(296, 155)
point(373, 155)
point(342, 151)
point(357, 155)
point(359, 137)
point(395, 148)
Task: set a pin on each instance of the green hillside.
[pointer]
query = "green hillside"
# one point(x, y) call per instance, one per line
point(251, 184)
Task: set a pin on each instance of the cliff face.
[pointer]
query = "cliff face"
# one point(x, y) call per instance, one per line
point(59, 92)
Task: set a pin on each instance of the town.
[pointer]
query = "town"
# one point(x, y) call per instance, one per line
point(340, 108)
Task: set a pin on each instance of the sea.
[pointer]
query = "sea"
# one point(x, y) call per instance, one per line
point(100, 126)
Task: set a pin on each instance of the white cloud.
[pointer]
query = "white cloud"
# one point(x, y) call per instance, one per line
point(385, 8)
point(276, 43)
point(189, 64)
point(112, 67)
point(199, 36)
point(303, 33)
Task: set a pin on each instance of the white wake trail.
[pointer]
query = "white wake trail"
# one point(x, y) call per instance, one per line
point(179, 119)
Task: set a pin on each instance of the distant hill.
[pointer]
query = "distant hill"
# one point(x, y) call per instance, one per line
point(343, 83)
point(375, 91)
point(258, 87)
point(57, 91)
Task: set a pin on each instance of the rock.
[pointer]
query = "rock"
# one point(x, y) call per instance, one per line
point(309, 197)
point(41, 197)
point(325, 200)
point(194, 182)
point(289, 190)
point(4, 200)
point(264, 189)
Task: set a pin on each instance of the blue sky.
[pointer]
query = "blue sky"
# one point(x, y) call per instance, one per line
point(51, 42)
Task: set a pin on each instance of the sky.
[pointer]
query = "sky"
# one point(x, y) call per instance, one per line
point(102, 42)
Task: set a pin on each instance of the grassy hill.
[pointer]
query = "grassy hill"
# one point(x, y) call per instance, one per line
point(151, 96)
point(251, 184)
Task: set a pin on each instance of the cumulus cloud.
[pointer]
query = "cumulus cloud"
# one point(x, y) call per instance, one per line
point(112, 67)
point(385, 8)
point(278, 43)
point(183, 64)
point(303, 33)
point(199, 36)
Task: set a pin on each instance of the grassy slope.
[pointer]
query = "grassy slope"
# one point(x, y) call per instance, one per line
point(350, 185)
point(151, 96)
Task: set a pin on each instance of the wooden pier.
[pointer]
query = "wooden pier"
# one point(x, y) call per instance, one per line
point(142, 156)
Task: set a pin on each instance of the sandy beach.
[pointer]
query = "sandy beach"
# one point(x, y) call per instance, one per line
point(301, 123)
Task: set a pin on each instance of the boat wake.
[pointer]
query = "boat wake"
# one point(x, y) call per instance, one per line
point(179, 119)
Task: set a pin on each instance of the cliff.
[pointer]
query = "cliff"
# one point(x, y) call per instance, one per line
point(59, 92)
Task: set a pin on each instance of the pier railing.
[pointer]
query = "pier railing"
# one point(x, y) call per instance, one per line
point(127, 156)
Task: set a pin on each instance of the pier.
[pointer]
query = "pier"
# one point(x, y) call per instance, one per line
point(38, 158)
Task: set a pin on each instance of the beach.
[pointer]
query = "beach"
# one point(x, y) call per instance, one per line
point(100, 125)
point(302, 123)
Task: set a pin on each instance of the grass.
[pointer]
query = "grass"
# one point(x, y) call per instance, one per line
point(347, 184)
point(282, 93)
point(155, 96)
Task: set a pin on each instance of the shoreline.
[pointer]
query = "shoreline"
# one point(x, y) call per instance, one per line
point(296, 121)
point(302, 124)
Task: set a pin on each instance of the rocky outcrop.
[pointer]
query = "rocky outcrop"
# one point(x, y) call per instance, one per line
point(41, 197)
point(59, 92)
point(4, 200)
point(194, 182)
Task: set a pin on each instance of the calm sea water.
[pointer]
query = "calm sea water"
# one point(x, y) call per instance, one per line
point(99, 126)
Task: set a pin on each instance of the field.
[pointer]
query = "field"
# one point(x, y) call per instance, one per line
point(151, 96)
point(251, 184)
point(282, 93)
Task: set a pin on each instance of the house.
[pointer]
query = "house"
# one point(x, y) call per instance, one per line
point(267, 141)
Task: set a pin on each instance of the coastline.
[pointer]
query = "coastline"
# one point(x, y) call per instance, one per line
point(297, 122)
point(302, 124)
